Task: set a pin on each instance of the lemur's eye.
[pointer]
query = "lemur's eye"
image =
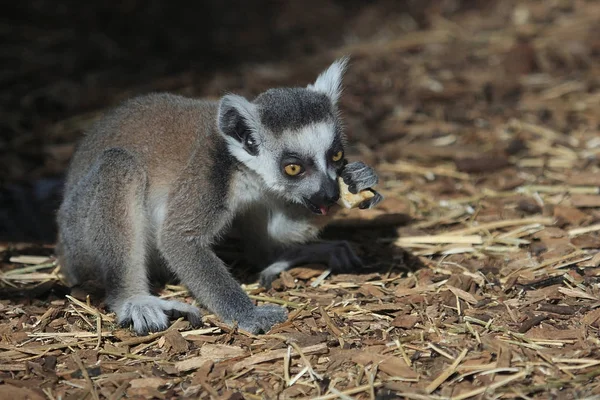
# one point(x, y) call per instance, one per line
point(337, 156)
point(293, 169)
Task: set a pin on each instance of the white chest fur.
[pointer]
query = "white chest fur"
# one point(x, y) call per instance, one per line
point(287, 228)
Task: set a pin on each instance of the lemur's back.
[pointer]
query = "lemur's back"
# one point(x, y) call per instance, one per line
point(160, 130)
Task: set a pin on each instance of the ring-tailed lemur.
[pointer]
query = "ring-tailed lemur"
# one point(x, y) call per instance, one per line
point(154, 183)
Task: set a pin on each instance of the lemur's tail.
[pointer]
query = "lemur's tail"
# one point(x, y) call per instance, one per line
point(28, 210)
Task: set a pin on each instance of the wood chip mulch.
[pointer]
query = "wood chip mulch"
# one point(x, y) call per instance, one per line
point(482, 276)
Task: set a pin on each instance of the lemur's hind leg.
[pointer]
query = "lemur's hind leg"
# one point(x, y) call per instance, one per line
point(103, 226)
point(337, 255)
point(274, 238)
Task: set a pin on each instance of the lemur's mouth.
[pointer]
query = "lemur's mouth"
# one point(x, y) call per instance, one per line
point(321, 210)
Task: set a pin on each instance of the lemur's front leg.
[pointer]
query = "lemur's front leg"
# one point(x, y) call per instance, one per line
point(337, 255)
point(207, 277)
point(187, 250)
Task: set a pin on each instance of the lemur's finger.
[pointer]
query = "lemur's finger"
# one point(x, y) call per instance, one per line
point(372, 202)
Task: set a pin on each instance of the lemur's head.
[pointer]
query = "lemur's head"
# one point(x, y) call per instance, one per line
point(291, 137)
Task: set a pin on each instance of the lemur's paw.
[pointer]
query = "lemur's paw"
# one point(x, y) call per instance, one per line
point(151, 314)
point(342, 257)
point(263, 318)
point(359, 176)
point(269, 274)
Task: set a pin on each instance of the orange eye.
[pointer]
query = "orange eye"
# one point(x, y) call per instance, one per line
point(293, 169)
point(337, 156)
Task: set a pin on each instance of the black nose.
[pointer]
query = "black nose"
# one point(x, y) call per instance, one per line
point(328, 193)
point(331, 191)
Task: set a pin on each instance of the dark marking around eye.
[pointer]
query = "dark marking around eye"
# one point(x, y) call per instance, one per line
point(337, 144)
point(291, 159)
point(293, 169)
point(336, 147)
point(337, 156)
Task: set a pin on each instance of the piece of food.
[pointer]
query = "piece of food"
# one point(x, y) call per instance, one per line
point(351, 200)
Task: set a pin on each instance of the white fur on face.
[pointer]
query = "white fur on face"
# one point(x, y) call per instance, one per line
point(312, 141)
point(264, 164)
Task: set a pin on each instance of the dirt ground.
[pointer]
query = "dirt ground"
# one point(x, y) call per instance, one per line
point(482, 277)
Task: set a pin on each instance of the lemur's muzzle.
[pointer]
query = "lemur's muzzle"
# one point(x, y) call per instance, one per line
point(328, 194)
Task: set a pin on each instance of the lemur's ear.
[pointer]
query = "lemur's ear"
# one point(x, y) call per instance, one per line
point(236, 114)
point(238, 120)
point(330, 80)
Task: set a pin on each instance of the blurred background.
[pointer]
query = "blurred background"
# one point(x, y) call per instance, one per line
point(431, 81)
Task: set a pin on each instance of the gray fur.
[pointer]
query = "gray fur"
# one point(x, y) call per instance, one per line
point(155, 182)
point(284, 109)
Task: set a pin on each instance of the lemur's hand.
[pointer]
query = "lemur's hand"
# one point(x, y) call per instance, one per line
point(359, 176)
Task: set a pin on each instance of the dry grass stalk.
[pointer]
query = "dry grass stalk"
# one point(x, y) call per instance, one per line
point(36, 260)
point(492, 387)
point(349, 392)
point(276, 301)
point(491, 226)
point(91, 386)
point(439, 239)
point(277, 354)
point(408, 168)
point(446, 374)
point(580, 231)
point(559, 189)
